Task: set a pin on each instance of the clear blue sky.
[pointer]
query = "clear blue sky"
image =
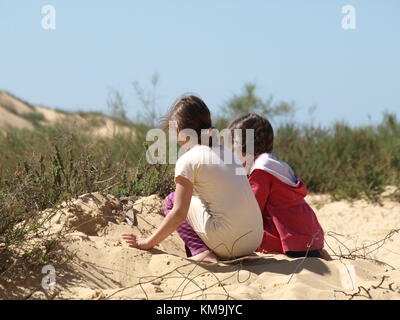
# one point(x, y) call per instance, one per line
point(295, 50)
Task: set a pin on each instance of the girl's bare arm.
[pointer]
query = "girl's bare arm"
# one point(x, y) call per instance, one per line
point(183, 195)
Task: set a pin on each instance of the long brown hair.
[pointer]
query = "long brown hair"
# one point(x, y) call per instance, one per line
point(190, 112)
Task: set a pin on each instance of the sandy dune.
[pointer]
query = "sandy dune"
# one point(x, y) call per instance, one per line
point(10, 102)
point(9, 119)
point(50, 115)
point(106, 269)
point(15, 113)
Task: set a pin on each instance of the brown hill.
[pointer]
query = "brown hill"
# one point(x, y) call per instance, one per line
point(17, 113)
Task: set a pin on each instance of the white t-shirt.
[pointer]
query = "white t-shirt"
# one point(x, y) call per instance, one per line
point(223, 210)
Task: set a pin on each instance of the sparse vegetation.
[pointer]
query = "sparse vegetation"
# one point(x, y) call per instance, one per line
point(34, 117)
point(41, 168)
point(249, 102)
point(346, 162)
point(343, 161)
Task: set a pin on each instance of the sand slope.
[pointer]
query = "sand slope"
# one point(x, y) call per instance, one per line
point(9, 119)
point(106, 269)
point(16, 113)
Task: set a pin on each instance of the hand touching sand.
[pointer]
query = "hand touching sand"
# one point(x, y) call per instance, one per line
point(136, 242)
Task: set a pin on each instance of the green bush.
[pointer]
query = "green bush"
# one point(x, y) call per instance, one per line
point(343, 161)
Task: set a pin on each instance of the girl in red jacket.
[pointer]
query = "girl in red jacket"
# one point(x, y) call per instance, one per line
point(290, 225)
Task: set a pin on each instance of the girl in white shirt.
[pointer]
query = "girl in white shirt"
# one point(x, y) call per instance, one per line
point(210, 197)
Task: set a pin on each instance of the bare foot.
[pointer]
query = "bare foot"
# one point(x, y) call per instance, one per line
point(325, 255)
point(206, 255)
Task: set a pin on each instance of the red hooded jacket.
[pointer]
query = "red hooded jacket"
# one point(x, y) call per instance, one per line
point(290, 224)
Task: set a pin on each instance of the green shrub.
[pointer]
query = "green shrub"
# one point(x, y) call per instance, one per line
point(343, 161)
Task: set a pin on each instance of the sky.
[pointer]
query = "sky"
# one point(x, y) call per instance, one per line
point(296, 50)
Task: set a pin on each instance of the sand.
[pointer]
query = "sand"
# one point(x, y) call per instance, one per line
point(104, 268)
point(51, 116)
point(13, 112)
point(12, 103)
point(11, 120)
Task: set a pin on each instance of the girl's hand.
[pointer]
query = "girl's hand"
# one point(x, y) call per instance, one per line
point(135, 242)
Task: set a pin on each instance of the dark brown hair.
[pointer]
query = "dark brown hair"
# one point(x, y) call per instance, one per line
point(263, 132)
point(189, 112)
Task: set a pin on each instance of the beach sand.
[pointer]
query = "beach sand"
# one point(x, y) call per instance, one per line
point(359, 236)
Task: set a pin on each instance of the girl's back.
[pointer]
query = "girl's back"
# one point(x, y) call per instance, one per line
point(232, 219)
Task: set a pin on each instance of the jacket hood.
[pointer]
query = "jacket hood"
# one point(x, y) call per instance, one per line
point(279, 169)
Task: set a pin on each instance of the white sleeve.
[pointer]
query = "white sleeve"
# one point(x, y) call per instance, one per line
point(185, 168)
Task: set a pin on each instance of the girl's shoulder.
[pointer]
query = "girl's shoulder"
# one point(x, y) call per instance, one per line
point(194, 154)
